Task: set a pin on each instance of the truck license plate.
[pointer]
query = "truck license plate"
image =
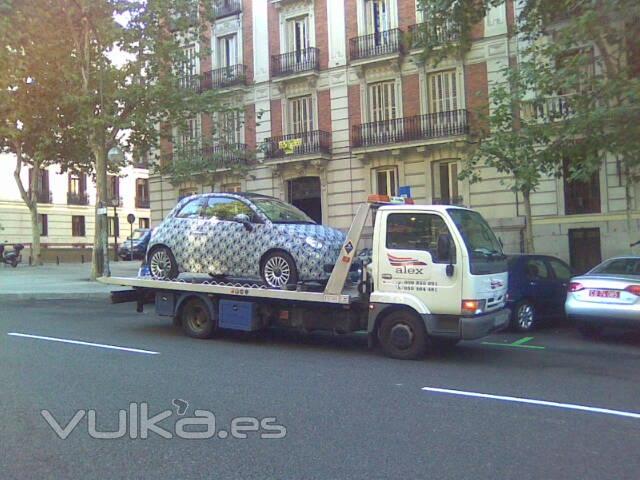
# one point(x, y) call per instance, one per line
point(604, 293)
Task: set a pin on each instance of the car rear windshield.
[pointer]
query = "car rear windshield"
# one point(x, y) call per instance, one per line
point(619, 266)
point(280, 212)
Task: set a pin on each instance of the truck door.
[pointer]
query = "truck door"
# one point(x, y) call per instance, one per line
point(409, 262)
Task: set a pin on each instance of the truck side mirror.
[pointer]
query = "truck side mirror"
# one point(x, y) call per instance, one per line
point(444, 251)
point(244, 220)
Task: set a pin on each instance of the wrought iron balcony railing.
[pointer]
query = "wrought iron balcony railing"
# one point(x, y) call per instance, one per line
point(407, 129)
point(548, 110)
point(225, 8)
point(142, 202)
point(457, 200)
point(304, 143)
point(375, 44)
point(224, 77)
point(43, 196)
point(77, 198)
point(215, 156)
point(421, 32)
point(114, 201)
point(298, 61)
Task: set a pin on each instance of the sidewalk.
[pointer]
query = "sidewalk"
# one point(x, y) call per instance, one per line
point(64, 281)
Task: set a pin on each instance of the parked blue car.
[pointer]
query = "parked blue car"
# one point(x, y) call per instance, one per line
point(537, 290)
point(138, 243)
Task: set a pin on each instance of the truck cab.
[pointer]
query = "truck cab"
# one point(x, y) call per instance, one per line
point(440, 263)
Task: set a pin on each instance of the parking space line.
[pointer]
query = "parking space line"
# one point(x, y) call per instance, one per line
point(518, 344)
point(87, 344)
point(546, 403)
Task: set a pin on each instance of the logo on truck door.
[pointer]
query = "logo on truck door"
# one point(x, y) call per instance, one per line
point(406, 264)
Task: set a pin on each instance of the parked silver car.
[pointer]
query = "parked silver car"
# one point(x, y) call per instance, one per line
point(608, 295)
point(242, 235)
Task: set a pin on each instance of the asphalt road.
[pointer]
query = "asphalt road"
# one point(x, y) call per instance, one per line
point(348, 412)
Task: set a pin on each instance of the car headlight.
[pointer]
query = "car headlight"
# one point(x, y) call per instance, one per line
point(313, 242)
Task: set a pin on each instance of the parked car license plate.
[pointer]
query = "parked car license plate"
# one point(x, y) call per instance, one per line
point(604, 293)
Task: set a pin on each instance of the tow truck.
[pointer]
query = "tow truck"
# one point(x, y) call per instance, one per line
point(436, 275)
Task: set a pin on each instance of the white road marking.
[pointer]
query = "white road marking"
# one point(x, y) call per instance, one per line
point(88, 344)
point(569, 406)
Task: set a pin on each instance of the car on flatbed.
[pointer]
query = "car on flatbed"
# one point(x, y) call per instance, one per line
point(243, 235)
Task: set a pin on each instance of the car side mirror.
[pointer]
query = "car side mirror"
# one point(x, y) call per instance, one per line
point(244, 219)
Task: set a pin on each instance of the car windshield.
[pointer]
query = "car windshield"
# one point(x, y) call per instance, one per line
point(484, 249)
point(618, 266)
point(280, 212)
point(137, 235)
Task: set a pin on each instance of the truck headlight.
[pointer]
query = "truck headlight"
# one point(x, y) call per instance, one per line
point(473, 307)
point(313, 242)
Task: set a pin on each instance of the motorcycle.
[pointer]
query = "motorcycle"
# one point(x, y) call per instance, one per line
point(12, 257)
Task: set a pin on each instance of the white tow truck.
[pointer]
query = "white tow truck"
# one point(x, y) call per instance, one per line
point(436, 275)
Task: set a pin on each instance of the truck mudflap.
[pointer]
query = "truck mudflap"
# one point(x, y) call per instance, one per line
point(480, 326)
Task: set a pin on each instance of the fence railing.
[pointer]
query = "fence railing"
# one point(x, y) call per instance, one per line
point(304, 143)
point(375, 44)
point(297, 61)
point(142, 202)
point(216, 156)
point(224, 8)
point(550, 109)
point(43, 196)
point(406, 129)
point(421, 32)
point(76, 198)
point(224, 77)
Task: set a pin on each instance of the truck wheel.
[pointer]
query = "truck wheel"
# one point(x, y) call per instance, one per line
point(279, 270)
point(162, 264)
point(196, 319)
point(402, 335)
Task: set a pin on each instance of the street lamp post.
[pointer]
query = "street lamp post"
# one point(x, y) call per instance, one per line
point(115, 155)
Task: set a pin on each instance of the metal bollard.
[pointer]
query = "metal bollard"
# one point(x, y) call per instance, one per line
point(57, 260)
point(82, 258)
point(30, 260)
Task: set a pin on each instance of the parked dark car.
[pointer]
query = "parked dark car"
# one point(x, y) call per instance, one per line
point(537, 290)
point(138, 243)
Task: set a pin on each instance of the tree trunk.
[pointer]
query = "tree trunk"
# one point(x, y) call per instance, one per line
point(528, 233)
point(100, 257)
point(30, 199)
point(629, 203)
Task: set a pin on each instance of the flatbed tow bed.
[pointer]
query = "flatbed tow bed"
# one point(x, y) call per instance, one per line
point(407, 301)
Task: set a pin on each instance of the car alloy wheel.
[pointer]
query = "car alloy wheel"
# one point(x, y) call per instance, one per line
point(525, 317)
point(162, 265)
point(277, 271)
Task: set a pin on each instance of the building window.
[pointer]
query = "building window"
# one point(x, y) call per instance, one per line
point(231, 188)
point(382, 101)
point(77, 183)
point(581, 197)
point(445, 183)
point(43, 224)
point(142, 193)
point(227, 51)
point(113, 227)
point(188, 70)
point(297, 36)
point(143, 222)
point(378, 18)
point(443, 92)
point(113, 189)
point(229, 126)
point(300, 114)
point(77, 226)
point(188, 136)
point(386, 181)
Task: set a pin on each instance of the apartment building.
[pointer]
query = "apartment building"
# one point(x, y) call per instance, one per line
point(66, 209)
point(338, 104)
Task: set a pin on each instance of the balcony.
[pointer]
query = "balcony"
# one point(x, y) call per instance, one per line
point(376, 44)
point(411, 129)
point(305, 60)
point(77, 198)
point(218, 157)
point(225, 8)
point(224, 77)
point(550, 109)
point(448, 201)
point(420, 33)
point(142, 202)
point(296, 144)
point(43, 196)
point(113, 201)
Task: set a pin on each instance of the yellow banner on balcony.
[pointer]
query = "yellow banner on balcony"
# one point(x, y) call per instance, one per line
point(288, 146)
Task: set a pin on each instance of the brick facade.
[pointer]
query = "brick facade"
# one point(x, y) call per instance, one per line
point(247, 38)
point(276, 117)
point(324, 110)
point(411, 95)
point(477, 93)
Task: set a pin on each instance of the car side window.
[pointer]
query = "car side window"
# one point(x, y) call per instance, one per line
point(191, 209)
point(561, 270)
point(225, 209)
point(416, 231)
point(535, 268)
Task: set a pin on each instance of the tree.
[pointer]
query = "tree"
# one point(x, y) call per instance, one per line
point(587, 80)
point(36, 119)
point(122, 102)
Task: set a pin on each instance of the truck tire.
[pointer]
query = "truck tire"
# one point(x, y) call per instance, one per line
point(162, 263)
point(196, 319)
point(402, 335)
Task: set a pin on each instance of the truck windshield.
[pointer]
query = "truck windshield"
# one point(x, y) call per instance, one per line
point(280, 212)
point(485, 251)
